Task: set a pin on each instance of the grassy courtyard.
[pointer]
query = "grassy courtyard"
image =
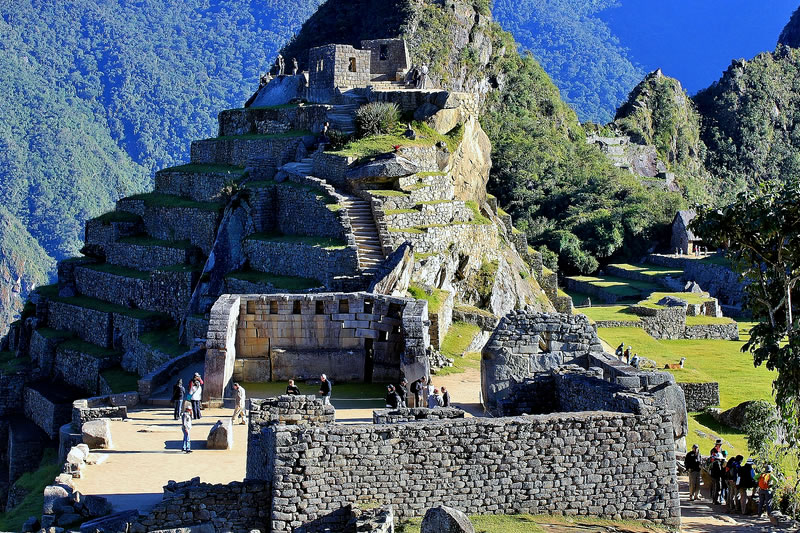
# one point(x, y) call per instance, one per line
point(526, 523)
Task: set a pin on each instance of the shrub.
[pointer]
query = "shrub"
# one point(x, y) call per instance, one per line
point(338, 140)
point(377, 118)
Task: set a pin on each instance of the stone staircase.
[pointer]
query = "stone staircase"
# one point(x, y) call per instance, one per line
point(370, 253)
point(304, 167)
point(342, 115)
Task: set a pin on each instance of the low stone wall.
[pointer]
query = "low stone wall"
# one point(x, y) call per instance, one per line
point(612, 270)
point(202, 186)
point(441, 321)
point(700, 396)
point(81, 370)
point(665, 323)
point(616, 324)
point(236, 506)
point(483, 319)
point(321, 465)
point(146, 258)
point(92, 326)
point(728, 332)
point(297, 259)
point(437, 239)
point(255, 120)
point(332, 168)
point(242, 151)
point(110, 406)
point(167, 371)
point(592, 290)
point(430, 214)
point(414, 414)
point(46, 412)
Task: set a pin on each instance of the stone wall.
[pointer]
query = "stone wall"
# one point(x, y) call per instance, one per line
point(441, 320)
point(168, 371)
point(141, 257)
point(429, 215)
point(42, 350)
point(437, 239)
point(92, 326)
point(414, 414)
point(109, 406)
point(47, 412)
point(728, 332)
point(592, 290)
point(81, 370)
point(662, 323)
point(200, 186)
point(332, 168)
point(271, 152)
point(25, 447)
point(303, 260)
point(257, 120)
point(719, 280)
point(326, 468)
point(526, 343)
point(220, 348)
point(388, 56)
point(236, 507)
point(700, 396)
point(12, 398)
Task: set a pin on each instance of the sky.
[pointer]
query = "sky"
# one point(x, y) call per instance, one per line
point(695, 40)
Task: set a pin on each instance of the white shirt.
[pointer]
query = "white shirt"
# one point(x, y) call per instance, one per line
point(240, 397)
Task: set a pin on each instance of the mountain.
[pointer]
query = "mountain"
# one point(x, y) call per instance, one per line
point(790, 36)
point(577, 49)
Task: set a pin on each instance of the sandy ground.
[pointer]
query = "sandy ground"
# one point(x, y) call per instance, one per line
point(700, 516)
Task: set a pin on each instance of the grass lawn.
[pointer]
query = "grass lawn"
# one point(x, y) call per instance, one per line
point(289, 283)
point(78, 345)
point(386, 192)
point(524, 523)
point(344, 396)
point(317, 242)
point(374, 145)
point(118, 216)
point(621, 287)
point(689, 297)
point(454, 346)
point(649, 270)
point(707, 320)
point(577, 297)
point(165, 341)
point(120, 381)
point(34, 482)
point(461, 363)
point(620, 313)
point(435, 298)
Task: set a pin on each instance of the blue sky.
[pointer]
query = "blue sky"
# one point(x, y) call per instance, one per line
point(695, 40)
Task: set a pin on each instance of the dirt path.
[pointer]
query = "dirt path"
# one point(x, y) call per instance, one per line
point(700, 516)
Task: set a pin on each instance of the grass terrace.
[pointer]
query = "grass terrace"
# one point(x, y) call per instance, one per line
point(387, 192)
point(165, 341)
point(288, 283)
point(464, 308)
point(120, 380)
point(609, 313)
point(146, 240)
point(454, 346)
point(435, 298)
point(477, 217)
point(525, 523)
point(317, 242)
point(374, 145)
point(33, 483)
point(118, 270)
point(653, 271)
point(118, 216)
point(209, 168)
point(321, 194)
point(689, 297)
point(10, 363)
point(624, 288)
point(78, 345)
point(51, 293)
point(155, 199)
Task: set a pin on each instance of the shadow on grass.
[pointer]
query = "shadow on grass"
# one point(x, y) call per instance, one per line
point(705, 419)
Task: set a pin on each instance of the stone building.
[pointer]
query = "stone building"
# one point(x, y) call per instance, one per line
point(683, 238)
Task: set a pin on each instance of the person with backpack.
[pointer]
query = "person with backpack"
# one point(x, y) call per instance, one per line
point(766, 489)
point(731, 473)
point(744, 482)
point(402, 392)
point(717, 472)
point(692, 464)
point(416, 389)
point(325, 389)
point(392, 398)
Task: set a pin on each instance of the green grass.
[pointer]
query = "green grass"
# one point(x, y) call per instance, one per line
point(10, 363)
point(624, 288)
point(344, 395)
point(120, 380)
point(118, 216)
point(477, 217)
point(289, 283)
point(155, 199)
point(707, 320)
point(689, 297)
point(317, 242)
point(34, 482)
point(387, 192)
point(431, 174)
point(414, 230)
point(501, 212)
point(717, 259)
point(458, 339)
point(464, 308)
point(165, 341)
point(118, 270)
point(209, 168)
point(421, 256)
point(435, 298)
point(620, 313)
point(525, 523)
point(649, 270)
point(461, 363)
point(146, 240)
point(256, 136)
point(51, 293)
point(78, 345)
point(373, 145)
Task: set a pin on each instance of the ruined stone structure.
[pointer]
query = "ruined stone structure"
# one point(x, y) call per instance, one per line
point(700, 396)
point(683, 238)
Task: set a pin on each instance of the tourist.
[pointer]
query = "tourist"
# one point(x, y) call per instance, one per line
point(724, 483)
point(635, 361)
point(429, 392)
point(197, 377)
point(717, 472)
point(746, 481)
point(392, 399)
point(195, 395)
point(324, 137)
point(731, 473)
point(766, 489)
point(416, 389)
point(280, 66)
point(291, 389)
point(325, 389)
point(423, 76)
point(186, 426)
point(434, 400)
point(716, 449)
point(402, 392)
point(263, 80)
point(295, 66)
point(238, 406)
point(178, 392)
point(445, 397)
point(692, 464)
point(620, 351)
point(628, 355)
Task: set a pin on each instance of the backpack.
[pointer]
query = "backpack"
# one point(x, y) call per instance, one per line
point(763, 481)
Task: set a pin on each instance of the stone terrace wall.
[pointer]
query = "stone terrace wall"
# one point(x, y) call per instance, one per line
point(719, 280)
point(47, 413)
point(271, 151)
point(257, 120)
point(700, 396)
point(665, 323)
point(397, 58)
point(414, 414)
point(558, 467)
point(728, 332)
point(110, 406)
point(11, 393)
point(237, 507)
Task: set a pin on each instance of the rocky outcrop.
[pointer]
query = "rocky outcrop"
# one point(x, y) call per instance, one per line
point(790, 36)
point(470, 164)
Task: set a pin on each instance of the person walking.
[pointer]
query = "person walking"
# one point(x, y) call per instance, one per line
point(766, 489)
point(746, 481)
point(445, 397)
point(731, 474)
point(178, 393)
point(195, 395)
point(325, 389)
point(416, 389)
point(620, 350)
point(402, 392)
point(238, 406)
point(186, 426)
point(717, 472)
point(692, 464)
point(392, 399)
point(291, 389)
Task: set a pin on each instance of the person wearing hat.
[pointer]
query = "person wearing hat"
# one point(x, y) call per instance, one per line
point(692, 464)
point(186, 426)
point(746, 481)
point(717, 472)
point(325, 389)
point(766, 489)
point(716, 449)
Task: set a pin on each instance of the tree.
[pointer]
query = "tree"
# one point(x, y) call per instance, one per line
point(761, 232)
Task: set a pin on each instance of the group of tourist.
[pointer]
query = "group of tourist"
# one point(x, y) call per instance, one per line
point(624, 354)
point(417, 77)
point(422, 394)
point(183, 399)
point(280, 66)
point(731, 480)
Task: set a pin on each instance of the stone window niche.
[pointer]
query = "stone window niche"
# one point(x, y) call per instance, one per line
point(353, 65)
point(384, 52)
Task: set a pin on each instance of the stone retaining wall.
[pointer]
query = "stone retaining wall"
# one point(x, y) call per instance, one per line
point(81, 370)
point(297, 259)
point(414, 414)
point(49, 414)
point(255, 120)
point(92, 326)
point(664, 323)
point(592, 290)
point(483, 319)
point(42, 350)
point(326, 468)
point(430, 214)
point(25, 447)
point(198, 186)
point(700, 396)
point(241, 152)
point(437, 239)
point(441, 321)
point(332, 168)
point(719, 280)
point(146, 258)
point(728, 332)
point(236, 506)
point(12, 398)
point(109, 406)
point(168, 371)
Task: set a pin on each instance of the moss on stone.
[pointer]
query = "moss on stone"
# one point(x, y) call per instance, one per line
point(435, 298)
point(119, 380)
